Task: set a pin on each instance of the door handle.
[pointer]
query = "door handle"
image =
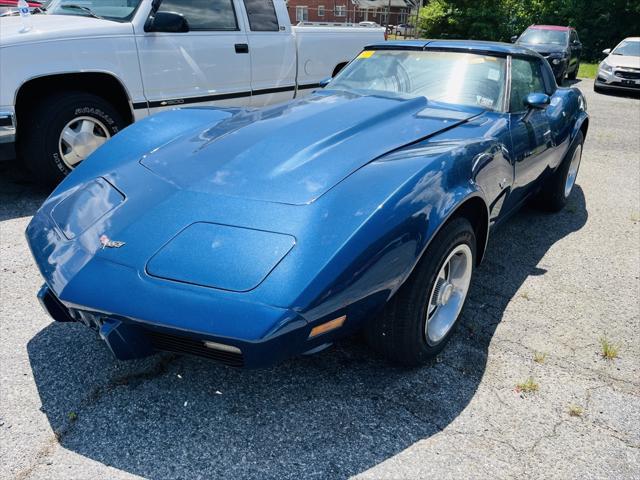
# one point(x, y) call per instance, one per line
point(242, 48)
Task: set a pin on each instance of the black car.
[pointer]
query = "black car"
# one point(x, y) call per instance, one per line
point(559, 45)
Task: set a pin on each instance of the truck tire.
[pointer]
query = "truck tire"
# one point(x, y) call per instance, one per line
point(62, 131)
point(554, 195)
point(418, 321)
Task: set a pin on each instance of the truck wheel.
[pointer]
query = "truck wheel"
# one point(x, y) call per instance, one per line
point(64, 130)
point(573, 75)
point(554, 195)
point(419, 320)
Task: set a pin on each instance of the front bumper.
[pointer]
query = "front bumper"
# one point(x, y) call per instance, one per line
point(129, 338)
point(616, 80)
point(7, 125)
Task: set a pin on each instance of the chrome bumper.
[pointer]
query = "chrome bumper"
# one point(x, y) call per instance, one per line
point(7, 126)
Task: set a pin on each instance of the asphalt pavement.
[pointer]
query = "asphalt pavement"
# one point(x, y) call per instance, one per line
point(551, 289)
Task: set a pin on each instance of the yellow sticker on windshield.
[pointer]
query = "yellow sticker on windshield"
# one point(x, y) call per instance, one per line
point(366, 54)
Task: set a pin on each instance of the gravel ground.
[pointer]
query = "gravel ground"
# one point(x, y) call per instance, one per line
point(551, 284)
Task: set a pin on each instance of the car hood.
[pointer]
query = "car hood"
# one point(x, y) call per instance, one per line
point(544, 48)
point(295, 152)
point(57, 27)
point(626, 61)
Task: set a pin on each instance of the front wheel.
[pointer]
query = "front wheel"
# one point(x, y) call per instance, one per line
point(63, 131)
point(419, 320)
point(573, 75)
point(555, 194)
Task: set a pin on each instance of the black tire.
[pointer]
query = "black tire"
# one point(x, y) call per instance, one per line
point(560, 78)
point(573, 75)
point(553, 197)
point(398, 333)
point(39, 133)
point(598, 89)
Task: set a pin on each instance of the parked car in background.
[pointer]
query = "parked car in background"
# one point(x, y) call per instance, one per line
point(266, 233)
point(621, 69)
point(369, 24)
point(559, 45)
point(404, 29)
point(85, 71)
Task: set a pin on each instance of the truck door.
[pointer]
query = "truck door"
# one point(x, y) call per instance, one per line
point(208, 64)
point(272, 48)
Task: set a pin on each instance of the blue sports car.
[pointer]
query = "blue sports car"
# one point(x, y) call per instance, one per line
point(251, 235)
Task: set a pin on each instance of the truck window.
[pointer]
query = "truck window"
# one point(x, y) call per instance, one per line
point(204, 14)
point(262, 15)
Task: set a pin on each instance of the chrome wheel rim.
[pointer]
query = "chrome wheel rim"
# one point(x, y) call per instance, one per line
point(573, 171)
point(79, 138)
point(448, 294)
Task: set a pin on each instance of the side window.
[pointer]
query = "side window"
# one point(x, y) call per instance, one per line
point(262, 15)
point(526, 78)
point(204, 14)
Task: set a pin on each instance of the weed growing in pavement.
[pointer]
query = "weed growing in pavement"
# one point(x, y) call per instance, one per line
point(609, 351)
point(539, 357)
point(575, 411)
point(528, 386)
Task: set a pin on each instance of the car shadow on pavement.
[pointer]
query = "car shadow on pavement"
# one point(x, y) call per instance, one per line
point(19, 197)
point(331, 415)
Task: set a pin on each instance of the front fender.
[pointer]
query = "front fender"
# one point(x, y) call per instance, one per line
point(386, 246)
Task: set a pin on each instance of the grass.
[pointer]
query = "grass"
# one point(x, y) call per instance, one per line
point(588, 70)
point(539, 357)
point(609, 351)
point(575, 411)
point(528, 386)
point(73, 416)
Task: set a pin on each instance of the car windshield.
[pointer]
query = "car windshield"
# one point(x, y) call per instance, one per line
point(539, 35)
point(628, 48)
point(450, 77)
point(118, 10)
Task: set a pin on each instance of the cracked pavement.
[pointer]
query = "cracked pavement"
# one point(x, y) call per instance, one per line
point(552, 284)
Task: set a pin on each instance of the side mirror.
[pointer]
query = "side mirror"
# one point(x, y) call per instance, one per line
point(324, 82)
point(606, 51)
point(170, 22)
point(576, 43)
point(514, 38)
point(537, 100)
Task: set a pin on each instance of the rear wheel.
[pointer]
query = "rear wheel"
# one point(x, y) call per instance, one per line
point(419, 320)
point(555, 194)
point(63, 131)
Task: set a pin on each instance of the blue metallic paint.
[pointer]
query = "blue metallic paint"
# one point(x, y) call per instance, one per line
point(360, 184)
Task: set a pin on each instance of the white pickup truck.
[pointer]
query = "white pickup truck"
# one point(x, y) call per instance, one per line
point(87, 68)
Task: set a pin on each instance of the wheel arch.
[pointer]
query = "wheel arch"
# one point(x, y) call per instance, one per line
point(103, 84)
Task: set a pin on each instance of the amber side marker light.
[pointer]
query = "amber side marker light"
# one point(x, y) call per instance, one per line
point(328, 326)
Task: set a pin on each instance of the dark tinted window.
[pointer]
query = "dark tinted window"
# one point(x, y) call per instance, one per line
point(526, 78)
point(204, 14)
point(262, 15)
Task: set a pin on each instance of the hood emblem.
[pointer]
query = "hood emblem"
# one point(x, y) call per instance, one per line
point(106, 242)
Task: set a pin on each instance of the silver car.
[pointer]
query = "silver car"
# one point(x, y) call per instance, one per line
point(621, 69)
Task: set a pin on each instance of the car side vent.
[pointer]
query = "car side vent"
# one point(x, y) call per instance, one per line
point(178, 344)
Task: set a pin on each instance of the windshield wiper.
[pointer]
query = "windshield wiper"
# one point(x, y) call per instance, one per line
point(87, 10)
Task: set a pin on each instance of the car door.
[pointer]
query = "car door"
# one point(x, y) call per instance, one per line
point(576, 48)
point(272, 49)
point(209, 64)
point(531, 137)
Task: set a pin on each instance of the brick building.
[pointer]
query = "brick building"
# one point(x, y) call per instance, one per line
point(384, 12)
